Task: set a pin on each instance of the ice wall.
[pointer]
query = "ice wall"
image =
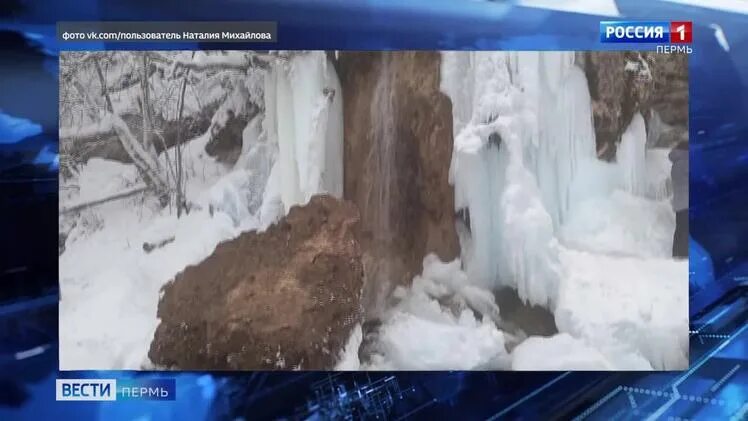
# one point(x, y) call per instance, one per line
point(523, 126)
point(523, 135)
point(526, 178)
point(291, 150)
point(304, 116)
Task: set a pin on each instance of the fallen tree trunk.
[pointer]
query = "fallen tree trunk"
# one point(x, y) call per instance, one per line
point(122, 195)
point(101, 140)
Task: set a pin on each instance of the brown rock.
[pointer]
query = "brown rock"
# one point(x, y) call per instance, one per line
point(286, 298)
point(669, 99)
point(618, 93)
point(398, 148)
point(226, 140)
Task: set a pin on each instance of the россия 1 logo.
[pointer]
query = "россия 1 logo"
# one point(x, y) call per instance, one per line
point(660, 32)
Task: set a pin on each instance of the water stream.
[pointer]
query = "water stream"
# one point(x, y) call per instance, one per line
point(380, 265)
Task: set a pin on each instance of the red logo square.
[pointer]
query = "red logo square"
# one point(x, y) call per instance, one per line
point(681, 32)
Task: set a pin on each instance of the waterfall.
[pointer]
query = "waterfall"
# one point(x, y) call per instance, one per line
point(380, 201)
point(383, 150)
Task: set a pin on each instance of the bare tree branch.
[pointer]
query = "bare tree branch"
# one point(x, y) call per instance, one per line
point(147, 163)
point(217, 62)
point(179, 181)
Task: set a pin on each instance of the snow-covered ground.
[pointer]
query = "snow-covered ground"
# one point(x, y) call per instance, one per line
point(110, 286)
point(589, 241)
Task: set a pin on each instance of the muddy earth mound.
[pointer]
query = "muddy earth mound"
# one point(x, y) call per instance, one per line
point(285, 298)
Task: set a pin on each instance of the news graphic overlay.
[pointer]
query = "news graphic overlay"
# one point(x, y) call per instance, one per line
point(239, 31)
point(115, 389)
point(675, 32)
point(354, 210)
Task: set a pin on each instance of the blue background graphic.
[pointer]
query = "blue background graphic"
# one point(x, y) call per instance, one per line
point(715, 386)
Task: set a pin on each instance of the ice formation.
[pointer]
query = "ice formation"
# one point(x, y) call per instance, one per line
point(632, 156)
point(304, 116)
point(441, 321)
point(587, 239)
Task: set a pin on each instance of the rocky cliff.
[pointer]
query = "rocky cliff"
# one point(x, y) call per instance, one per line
point(623, 84)
point(398, 147)
point(286, 298)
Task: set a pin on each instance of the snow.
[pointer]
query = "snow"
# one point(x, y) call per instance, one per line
point(557, 352)
point(440, 322)
point(109, 300)
point(348, 359)
point(110, 287)
point(634, 310)
point(237, 59)
point(462, 343)
point(241, 192)
point(621, 224)
point(88, 130)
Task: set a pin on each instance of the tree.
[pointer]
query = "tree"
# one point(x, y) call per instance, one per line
point(133, 107)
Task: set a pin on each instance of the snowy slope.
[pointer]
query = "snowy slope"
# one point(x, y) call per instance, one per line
point(110, 286)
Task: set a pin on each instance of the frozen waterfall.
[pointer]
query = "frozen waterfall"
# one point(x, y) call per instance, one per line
point(304, 115)
point(515, 156)
point(550, 220)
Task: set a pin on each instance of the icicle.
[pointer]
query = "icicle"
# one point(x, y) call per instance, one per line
point(286, 130)
point(632, 156)
point(567, 136)
point(523, 128)
point(304, 115)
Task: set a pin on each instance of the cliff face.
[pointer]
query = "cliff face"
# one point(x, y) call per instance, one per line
point(623, 84)
point(285, 298)
point(398, 147)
